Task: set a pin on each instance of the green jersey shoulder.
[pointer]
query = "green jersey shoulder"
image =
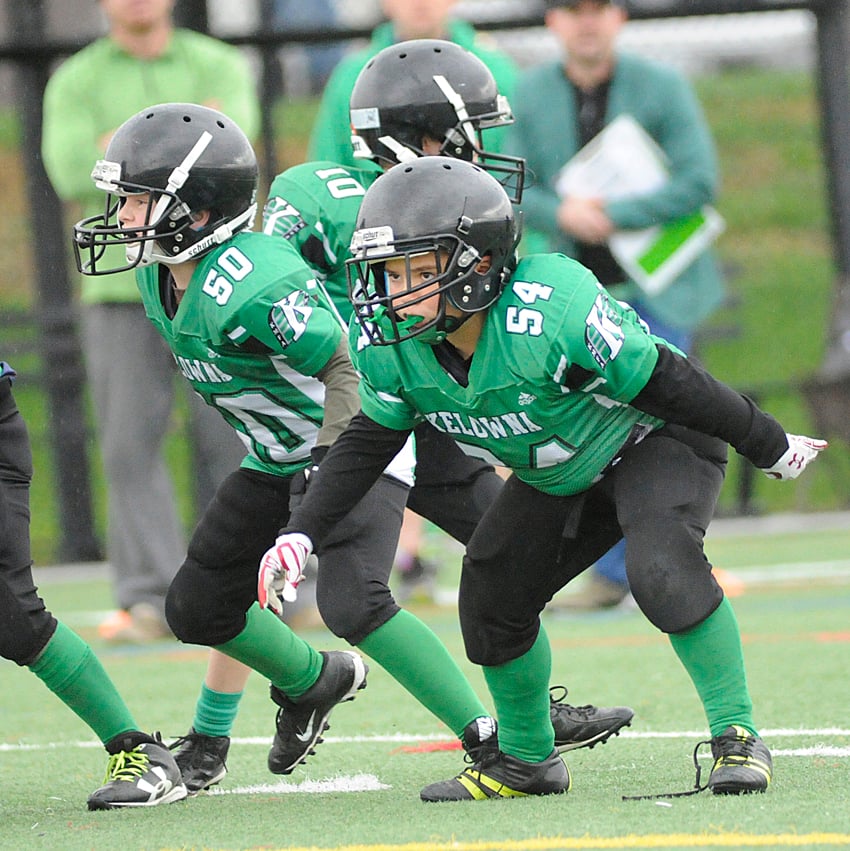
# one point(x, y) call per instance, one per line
point(250, 332)
point(556, 365)
point(314, 205)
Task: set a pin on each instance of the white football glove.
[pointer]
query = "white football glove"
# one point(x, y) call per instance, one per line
point(281, 569)
point(801, 450)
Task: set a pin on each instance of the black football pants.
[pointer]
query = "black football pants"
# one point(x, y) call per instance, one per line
point(217, 582)
point(452, 490)
point(25, 624)
point(660, 497)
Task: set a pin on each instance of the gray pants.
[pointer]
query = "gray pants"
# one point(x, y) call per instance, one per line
point(132, 378)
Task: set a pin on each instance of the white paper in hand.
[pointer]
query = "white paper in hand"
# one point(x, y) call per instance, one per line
point(623, 161)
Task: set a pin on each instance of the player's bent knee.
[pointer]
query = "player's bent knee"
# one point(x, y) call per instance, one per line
point(24, 629)
point(353, 618)
point(24, 644)
point(675, 598)
point(197, 612)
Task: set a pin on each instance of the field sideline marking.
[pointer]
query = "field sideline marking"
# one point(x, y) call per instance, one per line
point(653, 840)
point(400, 738)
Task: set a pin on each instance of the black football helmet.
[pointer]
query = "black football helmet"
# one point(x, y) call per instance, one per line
point(450, 207)
point(435, 89)
point(190, 158)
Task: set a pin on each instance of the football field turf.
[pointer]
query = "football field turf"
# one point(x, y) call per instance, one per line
point(360, 790)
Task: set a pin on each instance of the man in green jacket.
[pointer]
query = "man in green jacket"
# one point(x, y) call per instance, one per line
point(330, 138)
point(561, 105)
point(142, 59)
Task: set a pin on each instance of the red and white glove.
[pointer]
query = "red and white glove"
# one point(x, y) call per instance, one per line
point(281, 569)
point(801, 450)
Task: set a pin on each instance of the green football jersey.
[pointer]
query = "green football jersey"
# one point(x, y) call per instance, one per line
point(558, 361)
point(314, 205)
point(251, 331)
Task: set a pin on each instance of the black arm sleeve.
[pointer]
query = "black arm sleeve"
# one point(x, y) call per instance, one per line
point(352, 465)
point(680, 391)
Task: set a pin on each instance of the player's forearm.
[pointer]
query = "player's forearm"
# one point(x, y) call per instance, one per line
point(342, 400)
point(352, 465)
point(681, 392)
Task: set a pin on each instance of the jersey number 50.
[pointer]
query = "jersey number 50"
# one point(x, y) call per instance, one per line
point(231, 266)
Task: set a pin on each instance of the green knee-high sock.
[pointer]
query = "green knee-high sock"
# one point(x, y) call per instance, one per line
point(272, 649)
point(215, 711)
point(408, 650)
point(69, 668)
point(712, 655)
point(520, 690)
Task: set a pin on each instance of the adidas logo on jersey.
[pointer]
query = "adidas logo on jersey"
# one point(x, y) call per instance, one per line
point(526, 398)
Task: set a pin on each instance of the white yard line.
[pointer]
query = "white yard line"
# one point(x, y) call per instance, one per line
point(340, 783)
point(413, 738)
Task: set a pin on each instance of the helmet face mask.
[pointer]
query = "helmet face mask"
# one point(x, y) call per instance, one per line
point(431, 89)
point(166, 214)
point(461, 218)
point(377, 306)
point(190, 160)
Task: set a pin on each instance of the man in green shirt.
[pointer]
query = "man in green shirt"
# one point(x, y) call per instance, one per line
point(142, 59)
point(610, 433)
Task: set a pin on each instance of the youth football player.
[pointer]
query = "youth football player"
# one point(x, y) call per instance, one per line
point(141, 771)
point(610, 433)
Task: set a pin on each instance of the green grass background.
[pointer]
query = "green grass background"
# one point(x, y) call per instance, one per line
point(797, 646)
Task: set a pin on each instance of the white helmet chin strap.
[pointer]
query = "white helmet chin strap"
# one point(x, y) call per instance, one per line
point(176, 180)
point(459, 106)
point(221, 234)
point(402, 153)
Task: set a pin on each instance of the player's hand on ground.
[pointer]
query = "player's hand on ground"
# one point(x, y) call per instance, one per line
point(801, 450)
point(281, 569)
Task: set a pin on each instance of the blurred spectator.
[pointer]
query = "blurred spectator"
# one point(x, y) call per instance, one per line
point(320, 15)
point(142, 60)
point(562, 105)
